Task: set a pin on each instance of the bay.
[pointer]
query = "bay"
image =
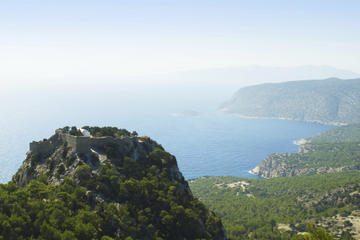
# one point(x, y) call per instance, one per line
point(211, 144)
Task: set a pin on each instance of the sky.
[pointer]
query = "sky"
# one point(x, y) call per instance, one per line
point(70, 41)
point(66, 62)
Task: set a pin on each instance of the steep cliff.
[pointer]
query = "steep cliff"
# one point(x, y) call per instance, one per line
point(278, 165)
point(335, 150)
point(129, 185)
point(62, 154)
point(312, 158)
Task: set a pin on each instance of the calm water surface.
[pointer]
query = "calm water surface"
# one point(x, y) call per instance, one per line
point(206, 145)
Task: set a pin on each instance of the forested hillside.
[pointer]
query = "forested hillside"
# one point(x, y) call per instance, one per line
point(117, 186)
point(280, 208)
point(315, 158)
point(332, 101)
point(335, 150)
point(349, 133)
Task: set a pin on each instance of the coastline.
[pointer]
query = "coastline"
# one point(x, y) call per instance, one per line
point(298, 142)
point(337, 124)
point(301, 141)
point(252, 172)
point(256, 174)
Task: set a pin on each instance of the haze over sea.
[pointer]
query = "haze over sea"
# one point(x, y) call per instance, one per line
point(206, 145)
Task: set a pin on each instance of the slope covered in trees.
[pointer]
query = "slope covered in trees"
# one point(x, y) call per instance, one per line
point(333, 101)
point(332, 151)
point(103, 194)
point(280, 208)
point(349, 133)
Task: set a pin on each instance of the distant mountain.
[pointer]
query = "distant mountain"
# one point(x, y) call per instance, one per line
point(330, 101)
point(105, 184)
point(255, 74)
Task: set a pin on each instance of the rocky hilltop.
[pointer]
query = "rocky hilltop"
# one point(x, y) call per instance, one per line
point(102, 183)
point(335, 150)
point(331, 101)
point(63, 153)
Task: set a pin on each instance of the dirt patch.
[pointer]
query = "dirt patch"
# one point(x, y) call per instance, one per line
point(338, 224)
point(241, 184)
point(284, 227)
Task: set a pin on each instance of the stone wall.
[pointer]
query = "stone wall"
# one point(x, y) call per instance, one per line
point(43, 147)
point(83, 144)
point(47, 146)
point(80, 144)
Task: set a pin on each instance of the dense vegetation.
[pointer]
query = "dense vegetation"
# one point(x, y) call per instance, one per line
point(258, 208)
point(313, 158)
point(101, 131)
point(332, 155)
point(115, 197)
point(335, 150)
point(148, 206)
point(349, 133)
point(331, 101)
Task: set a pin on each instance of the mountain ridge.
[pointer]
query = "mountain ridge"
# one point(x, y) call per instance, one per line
point(329, 101)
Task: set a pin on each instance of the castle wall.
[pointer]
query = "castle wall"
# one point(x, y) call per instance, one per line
point(42, 147)
point(81, 144)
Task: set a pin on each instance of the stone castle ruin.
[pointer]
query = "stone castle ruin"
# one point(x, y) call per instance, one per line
point(80, 144)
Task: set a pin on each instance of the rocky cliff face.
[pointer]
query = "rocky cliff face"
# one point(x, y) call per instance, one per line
point(120, 171)
point(278, 165)
point(274, 165)
point(62, 154)
point(310, 159)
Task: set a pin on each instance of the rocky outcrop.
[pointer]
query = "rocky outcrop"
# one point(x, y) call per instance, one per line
point(274, 165)
point(278, 165)
point(132, 177)
point(62, 154)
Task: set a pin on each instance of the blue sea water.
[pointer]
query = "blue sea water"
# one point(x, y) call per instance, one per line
point(210, 144)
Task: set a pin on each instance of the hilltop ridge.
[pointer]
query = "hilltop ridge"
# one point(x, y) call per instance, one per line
point(329, 101)
point(102, 183)
point(66, 150)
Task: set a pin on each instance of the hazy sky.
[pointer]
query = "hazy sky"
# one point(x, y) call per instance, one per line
point(68, 40)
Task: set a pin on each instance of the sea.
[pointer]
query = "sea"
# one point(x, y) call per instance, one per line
point(209, 143)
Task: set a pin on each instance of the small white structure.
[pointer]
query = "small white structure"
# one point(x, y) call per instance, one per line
point(85, 132)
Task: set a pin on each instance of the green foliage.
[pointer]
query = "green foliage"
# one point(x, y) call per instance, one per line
point(349, 133)
point(61, 169)
point(335, 150)
point(109, 131)
point(130, 201)
point(314, 233)
point(326, 155)
point(254, 212)
point(83, 173)
point(330, 100)
point(35, 159)
point(75, 132)
point(161, 158)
